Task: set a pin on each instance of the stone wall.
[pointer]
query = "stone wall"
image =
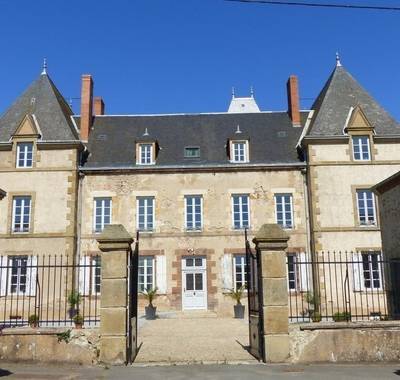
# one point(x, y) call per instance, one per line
point(345, 342)
point(43, 345)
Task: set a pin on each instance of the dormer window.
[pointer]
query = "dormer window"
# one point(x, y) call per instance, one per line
point(239, 151)
point(192, 152)
point(145, 154)
point(24, 155)
point(361, 148)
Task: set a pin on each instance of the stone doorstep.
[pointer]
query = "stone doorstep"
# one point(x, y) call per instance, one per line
point(348, 325)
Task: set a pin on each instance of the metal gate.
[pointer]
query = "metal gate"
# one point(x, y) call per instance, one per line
point(254, 294)
point(133, 266)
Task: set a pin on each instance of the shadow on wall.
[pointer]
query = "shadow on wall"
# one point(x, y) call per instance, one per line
point(5, 372)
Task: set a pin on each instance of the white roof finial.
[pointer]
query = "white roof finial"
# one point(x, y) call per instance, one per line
point(338, 64)
point(44, 71)
point(146, 132)
point(252, 91)
point(233, 92)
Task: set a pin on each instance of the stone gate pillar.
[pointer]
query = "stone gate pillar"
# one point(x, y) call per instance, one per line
point(271, 243)
point(115, 244)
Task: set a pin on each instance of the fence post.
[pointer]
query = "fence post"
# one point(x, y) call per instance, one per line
point(114, 244)
point(271, 243)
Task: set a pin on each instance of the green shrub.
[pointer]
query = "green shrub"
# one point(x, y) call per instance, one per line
point(150, 295)
point(342, 316)
point(33, 319)
point(237, 294)
point(78, 319)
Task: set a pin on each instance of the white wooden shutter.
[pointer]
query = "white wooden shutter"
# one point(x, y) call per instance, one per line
point(358, 275)
point(31, 274)
point(84, 275)
point(227, 272)
point(161, 274)
point(304, 270)
point(3, 275)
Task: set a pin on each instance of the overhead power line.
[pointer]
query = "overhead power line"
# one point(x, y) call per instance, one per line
point(318, 5)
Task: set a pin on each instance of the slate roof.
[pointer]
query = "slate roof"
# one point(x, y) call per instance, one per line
point(51, 110)
point(332, 106)
point(272, 138)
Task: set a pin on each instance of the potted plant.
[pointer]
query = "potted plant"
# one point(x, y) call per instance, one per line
point(33, 321)
point(344, 316)
point(74, 298)
point(150, 309)
point(237, 295)
point(78, 320)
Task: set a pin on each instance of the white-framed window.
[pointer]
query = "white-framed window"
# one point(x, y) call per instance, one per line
point(240, 211)
point(371, 269)
point(284, 210)
point(18, 274)
point(24, 155)
point(102, 213)
point(146, 154)
point(366, 208)
point(146, 273)
point(145, 213)
point(194, 212)
point(21, 214)
point(239, 151)
point(361, 148)
point(292, 271)
point(239, 271)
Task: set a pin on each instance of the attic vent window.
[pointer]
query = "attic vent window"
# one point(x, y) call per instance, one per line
point(192, 152)
point(282, 134)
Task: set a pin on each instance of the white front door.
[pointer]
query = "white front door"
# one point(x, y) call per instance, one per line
point(194, 283)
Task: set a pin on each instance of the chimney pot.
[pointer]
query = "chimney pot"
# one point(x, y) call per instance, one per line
point(293, 100)
point(99, 106)
point(86, 106)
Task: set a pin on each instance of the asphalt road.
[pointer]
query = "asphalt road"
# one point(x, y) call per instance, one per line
point(203, 372)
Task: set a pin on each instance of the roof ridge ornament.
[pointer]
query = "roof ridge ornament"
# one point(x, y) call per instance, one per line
point(233, 92)
point(44, 71)
point(238, 129)
point(146, 132)
point(252, 91)
point(338, 63)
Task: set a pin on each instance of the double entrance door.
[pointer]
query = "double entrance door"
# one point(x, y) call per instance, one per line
point(194, 283)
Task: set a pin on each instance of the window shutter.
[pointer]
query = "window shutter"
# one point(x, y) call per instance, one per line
point(31, 274)
point(358, 276)
point(227, 272)
point(3, 275)
point(305, 272)
point(161, 274)
point(84, 275)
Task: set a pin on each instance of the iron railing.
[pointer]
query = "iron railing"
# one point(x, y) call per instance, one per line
point(343, 286)
point(49, 290)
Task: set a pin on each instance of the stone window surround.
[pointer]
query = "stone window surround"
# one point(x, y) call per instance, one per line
point(354, 189)
point(11, 195)
point(139, 152)
point(15, 141)
point(372, 150)
point(365, 250)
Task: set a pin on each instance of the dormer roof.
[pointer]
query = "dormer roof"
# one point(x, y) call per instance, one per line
point(340, 94)
point(44, 107)
point(243, 104)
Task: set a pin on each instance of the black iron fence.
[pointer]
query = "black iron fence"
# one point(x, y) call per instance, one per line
point(49, 290)
point(343, 286)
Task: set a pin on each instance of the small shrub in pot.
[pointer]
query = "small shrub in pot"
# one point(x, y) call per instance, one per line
point(78, 320)
point(33, 320)
point(237, 295)
point(150, 309)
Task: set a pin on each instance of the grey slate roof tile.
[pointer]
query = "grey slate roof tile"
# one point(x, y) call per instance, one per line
point(272, 138)
point(51, 110)
point(332, 106)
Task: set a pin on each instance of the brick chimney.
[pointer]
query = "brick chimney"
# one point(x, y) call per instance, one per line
point(98, 106)
point(293, 100)
point(86, 106)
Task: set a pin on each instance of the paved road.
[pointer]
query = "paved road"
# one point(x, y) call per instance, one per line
point(204, 372)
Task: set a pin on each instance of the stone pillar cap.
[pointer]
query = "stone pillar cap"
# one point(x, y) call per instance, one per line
point(115, 233)
point(272, 233)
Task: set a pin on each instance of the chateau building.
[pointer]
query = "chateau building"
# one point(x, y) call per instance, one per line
point(192, 183)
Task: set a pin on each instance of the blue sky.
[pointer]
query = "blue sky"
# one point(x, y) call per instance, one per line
point(166, 56)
